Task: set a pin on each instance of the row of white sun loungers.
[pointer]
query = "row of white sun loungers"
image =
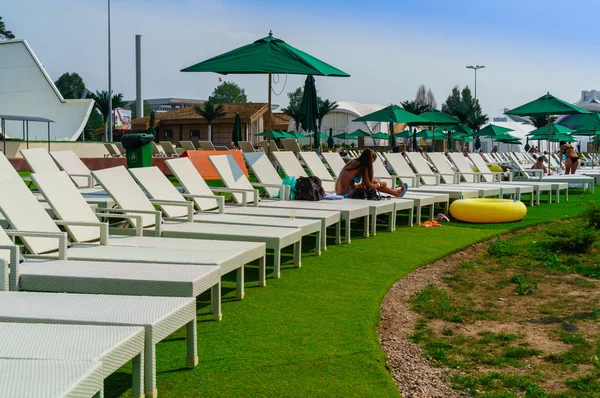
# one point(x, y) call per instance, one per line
point(163, 148)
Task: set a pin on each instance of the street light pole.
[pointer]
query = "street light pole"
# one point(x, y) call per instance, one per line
point(475, 68)
point(109, 137)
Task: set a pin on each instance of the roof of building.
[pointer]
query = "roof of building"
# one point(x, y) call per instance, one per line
point(280, 118)
point(249, 112)
point(166, 101)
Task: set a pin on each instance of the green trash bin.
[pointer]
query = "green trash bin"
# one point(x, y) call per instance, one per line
point(138, 147)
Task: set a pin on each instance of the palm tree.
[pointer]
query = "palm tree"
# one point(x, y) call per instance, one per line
point(325, 107)
point(293, 111)
point(210, 112)
point(5, 33)
point(541, 120)
point(101, 103)
point(414, 107)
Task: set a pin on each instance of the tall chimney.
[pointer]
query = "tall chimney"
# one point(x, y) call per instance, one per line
point(139, 97)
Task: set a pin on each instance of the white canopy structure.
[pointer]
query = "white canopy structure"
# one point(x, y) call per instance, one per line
point(27, 90)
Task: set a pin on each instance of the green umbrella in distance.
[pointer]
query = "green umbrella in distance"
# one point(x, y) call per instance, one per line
point(554, 129)
point(507, 139)
point(547, 105)
point(330, 142)
point(430, 135)
point(345, 136)
point(435, 117)
point(236, 135)
point(380, 136)
point(492, 131)
point(266, 56)
point(404, 134)
point(273, 134)
point(295, 134)
point(309, 108)
point(359, 133)
point(391, 114)
point(320, 135)
point(586, 125)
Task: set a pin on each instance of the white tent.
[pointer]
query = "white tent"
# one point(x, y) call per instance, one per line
point(27, 90)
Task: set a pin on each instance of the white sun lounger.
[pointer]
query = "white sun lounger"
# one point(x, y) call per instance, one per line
point(403, 171)
point(27, 378)
point(169, 148)
point(110, 346)
point(131, 199)
point(233, 177)
point(70, 162)
point(158, 187)
point(206, 145)
point(159, 316)
point(464, 168)
point(204, 198)
point(40, 161)
point(265, 172)
point(292, 167)
point(487, 175)
point(23, 212)
point(187, 145)
point(449, 175)
point(290, 144)
point(246, 146)
point(113, 151)
point(431, 177)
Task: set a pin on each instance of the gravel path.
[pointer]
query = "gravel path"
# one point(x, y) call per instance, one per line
point(411, 370)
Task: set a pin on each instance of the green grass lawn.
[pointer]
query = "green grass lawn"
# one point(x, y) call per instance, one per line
point(313, 332)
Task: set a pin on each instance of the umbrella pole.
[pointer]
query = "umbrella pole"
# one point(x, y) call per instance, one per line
point(269, 132)
point(548, 137)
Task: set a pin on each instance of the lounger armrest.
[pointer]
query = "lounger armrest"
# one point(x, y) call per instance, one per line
point(244, 193)
point(156, 213)
point(61, 236)
point(137, 221)
point(13, 275)
point(413, 179)
point(102, 225)
point(282, 188)
point(436, 175)
point(220, 199)
point(476, 174)
point(90, 178)
point(189, 205)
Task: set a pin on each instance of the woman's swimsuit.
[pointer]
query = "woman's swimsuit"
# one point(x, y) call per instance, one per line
point(355, 181)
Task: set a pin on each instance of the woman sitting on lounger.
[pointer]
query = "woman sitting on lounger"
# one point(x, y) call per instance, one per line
point(539, 165)
point(358, 173)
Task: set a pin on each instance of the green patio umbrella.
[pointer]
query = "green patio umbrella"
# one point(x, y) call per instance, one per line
point(547, 105)
point(359, 133)
point(273, 134)
point(309, 109)
point(295, 135)
point(491, 130)
point(330, 142)
point(430, 135)
point(266, 56)
point(391, 114)
point(320, 135)
point(236, 135)
point(435, 117)
point(380, 136)
point(345, 136)
point(585, 125)
point(404, 134)
point(554, 129)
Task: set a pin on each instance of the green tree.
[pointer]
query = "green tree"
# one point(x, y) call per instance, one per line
point(293, 109)
point(147, 109)
point(70, 85)
point(465, 108)
point(94, 122)
point(228, 93)
point(414, 107)
point(101, 104)
point(541, 120)
point(210, 112)
point(325, 107)
point(5, 34)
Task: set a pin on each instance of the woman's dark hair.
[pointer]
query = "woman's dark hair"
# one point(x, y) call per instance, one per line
point(562, 143)
point(365, 163)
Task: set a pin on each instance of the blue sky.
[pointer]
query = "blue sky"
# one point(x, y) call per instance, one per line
point(389, 47)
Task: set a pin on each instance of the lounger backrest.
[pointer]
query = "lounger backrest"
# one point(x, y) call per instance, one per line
point(193, 183)
point(265, 145)
point(274, 147)
point(463, 166)
point(156, 150)
point(206, 145)
point(232, 176)
point(126, 193)
point(400, 167)
point(264, 171)
point(482, 167)
point(315, 165)
point(120, 149)
point(39, 160)
point(290, 144)
point(187, 145)
point(335, 162)
point(24, 212)
point(112, 150)
point(441, 164)
point(5, 254)
point(488, 158)
point(246, 146)
point(67, 204)
point(70, 162)
point(6, 168)
point(290, 165)
point(168, 147)
point(158, 187)
point(421, 166)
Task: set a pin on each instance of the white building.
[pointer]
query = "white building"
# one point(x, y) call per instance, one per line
point(27, 90)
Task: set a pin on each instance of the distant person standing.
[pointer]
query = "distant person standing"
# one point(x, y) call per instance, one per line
point(572, 159)
point(495, 149)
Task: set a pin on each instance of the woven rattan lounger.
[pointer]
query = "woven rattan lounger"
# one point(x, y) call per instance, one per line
point(159, 316)
point(158, 187)
point(29, 378)
point(110, 346)
point(23, 212)
point(204, 198)
point(128, 195)
point(233, 177)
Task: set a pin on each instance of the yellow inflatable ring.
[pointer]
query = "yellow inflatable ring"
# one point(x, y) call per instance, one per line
point(487, 210)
